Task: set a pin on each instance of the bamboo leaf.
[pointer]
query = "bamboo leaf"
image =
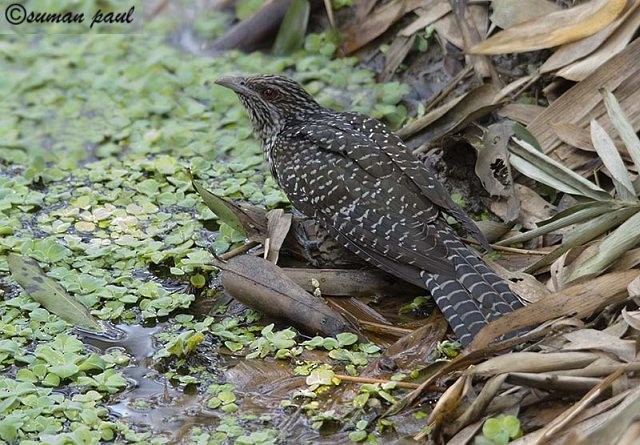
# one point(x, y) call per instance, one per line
point(584, 233)
point(543, 169)
point(624, 238)
point(621, 123)
point(49, 293)
point(611, 159)
point(572, 218)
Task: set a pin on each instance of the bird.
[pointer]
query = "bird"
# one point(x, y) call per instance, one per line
point(361, 183)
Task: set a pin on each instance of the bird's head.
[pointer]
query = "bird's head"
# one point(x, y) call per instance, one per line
point(270, 100)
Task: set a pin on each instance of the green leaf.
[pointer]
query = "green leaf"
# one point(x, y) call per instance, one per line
point(220, 207)
point(611, 159)
point(624, 238)
point(49, 293)
point(293, 28)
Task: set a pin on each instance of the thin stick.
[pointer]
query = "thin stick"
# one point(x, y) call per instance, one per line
point(507, 249)
point(560, 422)
point(329, 8)
point(382, 328)
point(348, 378)
point(239, 250)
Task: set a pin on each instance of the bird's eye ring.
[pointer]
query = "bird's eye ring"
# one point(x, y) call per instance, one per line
point(269, 93)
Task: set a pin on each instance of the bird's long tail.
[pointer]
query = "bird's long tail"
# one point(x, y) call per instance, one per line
point(474, 297)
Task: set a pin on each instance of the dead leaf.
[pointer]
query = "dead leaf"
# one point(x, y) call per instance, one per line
point(374, 24)
point(431, 11)
point(618, 41)
point(507, 13)
point(571, 52)
point(278, 226)
point(553, 29)
point(264, 287)
point(583, 102)
point(592, 339)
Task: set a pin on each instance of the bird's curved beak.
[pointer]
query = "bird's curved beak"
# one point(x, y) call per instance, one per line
point(234, 83)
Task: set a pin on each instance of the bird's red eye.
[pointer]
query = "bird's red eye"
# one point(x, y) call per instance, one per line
point(269, 93)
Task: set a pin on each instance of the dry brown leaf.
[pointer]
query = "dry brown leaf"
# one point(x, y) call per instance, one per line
point(263, 286)
point(374, 24)
point(573, 135)
point(394, 56)
point(590, 339)
point(613, 45)
point(580, 300)
point(453, 115)
point(573, 51)
point(523, 113)
point(583, 102)
point(553, 29)
point(570, 414)
point(431, 11)
point(493, 168)
point(448, 30)
point(632, 318)
point(478, 406)
point(278, 224)
point(448, 402)
point(507, 13)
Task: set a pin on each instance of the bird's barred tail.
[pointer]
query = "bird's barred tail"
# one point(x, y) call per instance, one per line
point(474, 297)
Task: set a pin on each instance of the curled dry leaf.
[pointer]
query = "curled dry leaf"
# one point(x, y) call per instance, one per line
point(264, 287)
point(493, 168)
point(553, 29)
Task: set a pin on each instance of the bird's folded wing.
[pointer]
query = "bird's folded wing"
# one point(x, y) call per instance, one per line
point(381, 153)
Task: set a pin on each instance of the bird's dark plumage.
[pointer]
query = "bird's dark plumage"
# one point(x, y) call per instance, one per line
point(355, 177)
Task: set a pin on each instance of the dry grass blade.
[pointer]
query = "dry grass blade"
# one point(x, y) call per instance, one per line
point(553, 29)
point(625, 237)
point(623, 126)
point(611, 159)
point(446, 404)
point(555, 426)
